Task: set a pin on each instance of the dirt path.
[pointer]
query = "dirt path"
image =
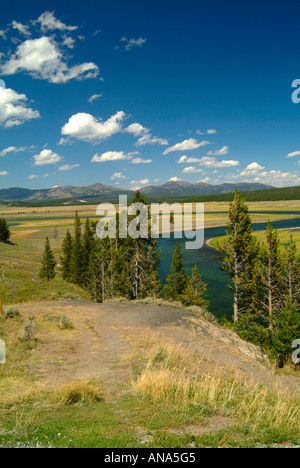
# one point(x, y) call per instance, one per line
point(107, 336)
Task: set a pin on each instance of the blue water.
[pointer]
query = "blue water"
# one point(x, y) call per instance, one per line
point(209, 263)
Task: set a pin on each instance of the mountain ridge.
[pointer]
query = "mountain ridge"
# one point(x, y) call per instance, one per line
point(15, 194)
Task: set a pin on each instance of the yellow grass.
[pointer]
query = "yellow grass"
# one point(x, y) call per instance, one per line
point(172, 375)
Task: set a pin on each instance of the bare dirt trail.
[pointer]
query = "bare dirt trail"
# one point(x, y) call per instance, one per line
point(108, 335)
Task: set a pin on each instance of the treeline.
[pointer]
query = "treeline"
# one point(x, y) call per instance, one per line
point(110, 268)
point(265, 284)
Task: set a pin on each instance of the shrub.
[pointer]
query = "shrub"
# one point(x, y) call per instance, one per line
point(12, 313)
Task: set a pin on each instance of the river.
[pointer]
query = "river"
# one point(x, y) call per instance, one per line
point(209, 264)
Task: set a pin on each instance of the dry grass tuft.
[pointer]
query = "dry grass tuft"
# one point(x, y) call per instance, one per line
point(78, 391)
point(172, 375)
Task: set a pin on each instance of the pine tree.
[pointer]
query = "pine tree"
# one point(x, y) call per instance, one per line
point(241, 250)
point(195, 291)
point(292, 272)
point(4, 231)
point(48, 263)
point(96, 278)
point(88, 240)
point(78, 262)
point(286, 329)
point(273, 273)
point(65, 259)
point(176, 281)
point(154, 285)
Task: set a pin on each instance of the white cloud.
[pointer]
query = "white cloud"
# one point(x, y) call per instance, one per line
point(95, 97)
point(186, 145)
point(141, 161)
point(136, 130)
point(278, 178)
point(292, 155)
point(209, 161)
point(150, 140)
point(140, 182)
point(48, 22)
point(13, 108)
point(23, 29)
point(221, 152)
point(68, 167)
point(3, 173)
point(46, 157)
point(188, 160)
point(34, 176)
point(118, 175)
point(252, 169)
point(42, 59)
point(111, 156)
point(69, 42)
point(174, 179)
point(211, 131)
point(85, 127)
point(204, 181)
point(130, 43)
point(14, 149)
point(191, 170)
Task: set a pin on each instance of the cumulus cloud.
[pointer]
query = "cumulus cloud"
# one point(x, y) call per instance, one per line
point(252, 169)
point(42, 59)
point(68, 167)
point(174, 179)
point(14, 149)
point(95, 97)
point(191, 170)
point(150, 140)
point(48, 22)
point(3, 173)
point(140, 182)
point(136, 130)
point(111, 156)
point(188, 160)
point(131, 43)
point(13, 108)
point(204, 181)
point(278, 178)
point(87, 128)
point(210, 161)
point(221, 152)
point(185, 145)
point(118, 175)
point(293, 154)
point(141, 161)
point(46, 157)
point(211, 131)
point(23, 29)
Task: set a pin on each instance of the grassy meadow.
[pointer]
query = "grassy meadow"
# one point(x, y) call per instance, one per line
point(146, 395)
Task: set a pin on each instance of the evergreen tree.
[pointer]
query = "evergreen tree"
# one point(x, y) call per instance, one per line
point(65, 259)
point(96, 275)
point(78, 260)
point(286, 329)
point(154, 285)
point(241, 250)
point(195, 291)
point(4, 231)
point(273, 273)
point(48, 263)
point(88, 240)
point(176, 281)
point(292, 272)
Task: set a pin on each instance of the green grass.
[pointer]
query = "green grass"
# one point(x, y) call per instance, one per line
point(20, 265)
point(284, 236)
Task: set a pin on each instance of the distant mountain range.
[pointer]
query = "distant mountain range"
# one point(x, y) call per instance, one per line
point(105, 191)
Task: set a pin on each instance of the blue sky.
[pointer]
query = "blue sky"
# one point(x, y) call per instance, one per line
point(132, 93)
